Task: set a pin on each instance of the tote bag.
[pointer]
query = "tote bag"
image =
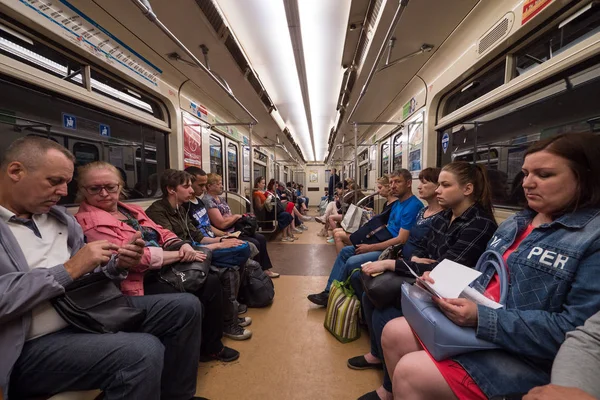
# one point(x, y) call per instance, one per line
point(352, 219)
point(343, 310)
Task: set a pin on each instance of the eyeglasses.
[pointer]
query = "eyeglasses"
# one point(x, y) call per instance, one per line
point(110, 188)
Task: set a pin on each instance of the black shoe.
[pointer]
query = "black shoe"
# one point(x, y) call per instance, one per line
point(360, 362)
point(319, 299)
point(242, 309)
point(370, 396)
point(226, 354)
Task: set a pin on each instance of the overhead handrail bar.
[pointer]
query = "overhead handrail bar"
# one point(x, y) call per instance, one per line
point(146, 8)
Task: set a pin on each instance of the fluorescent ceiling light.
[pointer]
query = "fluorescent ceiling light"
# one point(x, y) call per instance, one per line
point(278, 120)
point(262, 31)
point(323, 25)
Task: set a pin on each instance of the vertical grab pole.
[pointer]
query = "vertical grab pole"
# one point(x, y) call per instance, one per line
point(251, 166)
point(356, 158)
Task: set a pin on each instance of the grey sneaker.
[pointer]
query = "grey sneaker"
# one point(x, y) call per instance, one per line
point(242, 309)
point(244, 321)
point(236, 332)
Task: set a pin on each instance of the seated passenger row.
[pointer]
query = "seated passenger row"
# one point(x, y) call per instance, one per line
point(551, 252)
point(43, 251)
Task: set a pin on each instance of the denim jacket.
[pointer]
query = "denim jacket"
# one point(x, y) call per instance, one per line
point(554, 287)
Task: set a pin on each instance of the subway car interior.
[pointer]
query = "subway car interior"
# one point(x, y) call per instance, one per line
point(308, 116)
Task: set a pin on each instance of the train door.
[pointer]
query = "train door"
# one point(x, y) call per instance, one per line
point(233, 166)
point(397, 152)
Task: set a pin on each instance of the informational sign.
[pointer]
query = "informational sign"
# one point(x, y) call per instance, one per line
point(415, 143)
point(409, 108)
point(246, 163)
point(445, 141)
point(199, 110)
point(313, 176)
point(62, 17)
point(192, 142)
point(531, 8)
point(245, 140)
point(104, 130)
point(69, 121)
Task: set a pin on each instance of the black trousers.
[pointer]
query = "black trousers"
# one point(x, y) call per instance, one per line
point(211, 297)
point(261, 244)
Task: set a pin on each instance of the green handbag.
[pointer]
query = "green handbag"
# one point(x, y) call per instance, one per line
point(343, 310)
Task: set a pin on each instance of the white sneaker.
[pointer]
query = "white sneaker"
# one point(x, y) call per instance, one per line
point(320, 219)
point(287, 239)
point(306, 218)
point(303, 227)
point(297, 230)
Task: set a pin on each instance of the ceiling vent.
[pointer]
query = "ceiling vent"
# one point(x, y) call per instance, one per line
point(212, 14)
point(236, 53)
point(495, 33)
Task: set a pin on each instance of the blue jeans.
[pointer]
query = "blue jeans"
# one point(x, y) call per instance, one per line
point(347, 261)
point(159, 362)
point(376, 320)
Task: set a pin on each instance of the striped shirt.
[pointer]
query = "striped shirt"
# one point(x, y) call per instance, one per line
point(462, 240)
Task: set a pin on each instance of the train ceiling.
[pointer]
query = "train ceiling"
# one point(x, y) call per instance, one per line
point(288, 61)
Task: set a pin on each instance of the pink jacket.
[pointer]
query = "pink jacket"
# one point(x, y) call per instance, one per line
point(98, 224)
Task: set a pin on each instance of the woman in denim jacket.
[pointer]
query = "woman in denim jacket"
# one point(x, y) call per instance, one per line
point(553, 255)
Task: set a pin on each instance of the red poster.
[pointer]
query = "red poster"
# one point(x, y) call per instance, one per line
point(531, 8)
point(192, 143)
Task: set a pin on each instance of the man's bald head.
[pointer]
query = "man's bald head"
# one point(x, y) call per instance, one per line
point(30, 151)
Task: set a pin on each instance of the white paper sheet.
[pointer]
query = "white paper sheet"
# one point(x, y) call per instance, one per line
point(451, 278)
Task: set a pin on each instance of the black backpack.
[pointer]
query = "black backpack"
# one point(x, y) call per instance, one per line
point(256, 289)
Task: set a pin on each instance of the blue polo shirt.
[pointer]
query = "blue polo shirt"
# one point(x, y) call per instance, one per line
point(404, 215)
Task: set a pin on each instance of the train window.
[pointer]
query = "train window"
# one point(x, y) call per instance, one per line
point(277, 173)
point(364, 175)
point(385, 158)
point(216, 155)
point(501, 136)
point(39, 55)
point(397, 153)
point(285, 175)
point(232, 167)
point(260, 156)
point(85, 153)
point(122, 93)
point(260, 170)
point(475, 88)
point(572, 30)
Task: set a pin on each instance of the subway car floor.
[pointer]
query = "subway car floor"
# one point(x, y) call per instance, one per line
point(291, 355)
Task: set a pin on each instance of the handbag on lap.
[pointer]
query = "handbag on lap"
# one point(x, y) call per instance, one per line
point(343, 309)
point(442, 337)
point(374, 231)
point(94, 303)
point(187, 277)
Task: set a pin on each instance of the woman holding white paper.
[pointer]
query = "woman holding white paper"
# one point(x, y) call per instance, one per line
point(552, 251)
point(459, 233)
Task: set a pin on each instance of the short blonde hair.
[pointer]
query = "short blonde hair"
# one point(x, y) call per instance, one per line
point(384, 180)
point(84, 170)
point(213, 179)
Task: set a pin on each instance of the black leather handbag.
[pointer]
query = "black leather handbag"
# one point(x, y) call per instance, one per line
point(374, 231)
point(385, 290)
point(94, 303)
point(187, 277)
point(246, 225)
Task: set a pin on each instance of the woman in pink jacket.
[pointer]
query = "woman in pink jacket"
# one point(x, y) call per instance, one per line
point(103, 217)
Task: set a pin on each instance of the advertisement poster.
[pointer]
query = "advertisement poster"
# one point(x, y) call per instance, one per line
point(313, 176)
point(246, 164)
point(192, 143)
point(415, 143)
point(531, 8)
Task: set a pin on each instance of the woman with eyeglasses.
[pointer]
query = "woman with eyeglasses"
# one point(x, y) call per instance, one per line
point(103, 216)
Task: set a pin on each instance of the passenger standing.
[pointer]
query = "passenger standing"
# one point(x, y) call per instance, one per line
point(552, 252)
point(42, 251)
point(334, 179)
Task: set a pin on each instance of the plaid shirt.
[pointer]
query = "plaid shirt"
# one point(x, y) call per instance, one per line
point(462, 240)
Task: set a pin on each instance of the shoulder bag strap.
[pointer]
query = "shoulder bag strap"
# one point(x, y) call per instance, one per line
point(495, 259)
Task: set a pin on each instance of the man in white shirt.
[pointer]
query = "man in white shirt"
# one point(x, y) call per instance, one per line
point(42, 251)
